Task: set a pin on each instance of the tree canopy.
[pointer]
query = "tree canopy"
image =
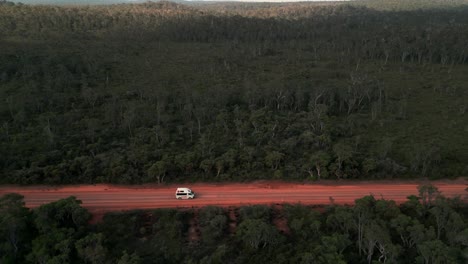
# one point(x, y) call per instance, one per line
point(374, 230)
point(161, 92)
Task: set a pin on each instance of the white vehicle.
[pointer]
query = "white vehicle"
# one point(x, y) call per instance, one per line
point(184, 193)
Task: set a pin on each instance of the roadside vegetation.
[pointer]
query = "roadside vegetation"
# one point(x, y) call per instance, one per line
point(164, 92)
point(428, 228)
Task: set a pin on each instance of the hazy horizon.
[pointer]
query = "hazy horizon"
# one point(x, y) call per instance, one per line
point(142, 1)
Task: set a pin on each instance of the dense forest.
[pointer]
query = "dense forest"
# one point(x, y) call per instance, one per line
point(426, 229)
point(163, 92)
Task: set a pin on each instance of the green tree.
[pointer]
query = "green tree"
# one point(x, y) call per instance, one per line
point(219, 165)
point(169, 234)
point(15, 228)
point(331, 249)
point(255, 212)
point(413, 207)
point(59, 224)
point(56, 246)
point(64, 213)
point(273, 159)
point(129, 259)
point(401, 224)
point(341, 219)
point(90, 248)
point(378, 242)
point(343, 152)
point(363, 215)
point(304, 223)
point(255, 233)
point(319, 161)
point(218, 256)
point(434, 251)
point(428, 193)
point(158, 171)
point(207, 165)
point(213, 224)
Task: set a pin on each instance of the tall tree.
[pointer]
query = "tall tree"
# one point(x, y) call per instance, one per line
point(90, 248)
point(15, 228)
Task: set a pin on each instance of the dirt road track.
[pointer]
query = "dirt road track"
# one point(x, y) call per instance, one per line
point(104, 198)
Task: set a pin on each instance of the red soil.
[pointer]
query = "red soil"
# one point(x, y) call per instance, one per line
point(103, 198)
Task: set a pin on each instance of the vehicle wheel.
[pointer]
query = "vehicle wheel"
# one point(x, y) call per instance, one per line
point(190, 198)
point(179, 198)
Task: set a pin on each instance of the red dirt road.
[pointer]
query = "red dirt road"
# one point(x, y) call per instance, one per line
point(105, 198)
